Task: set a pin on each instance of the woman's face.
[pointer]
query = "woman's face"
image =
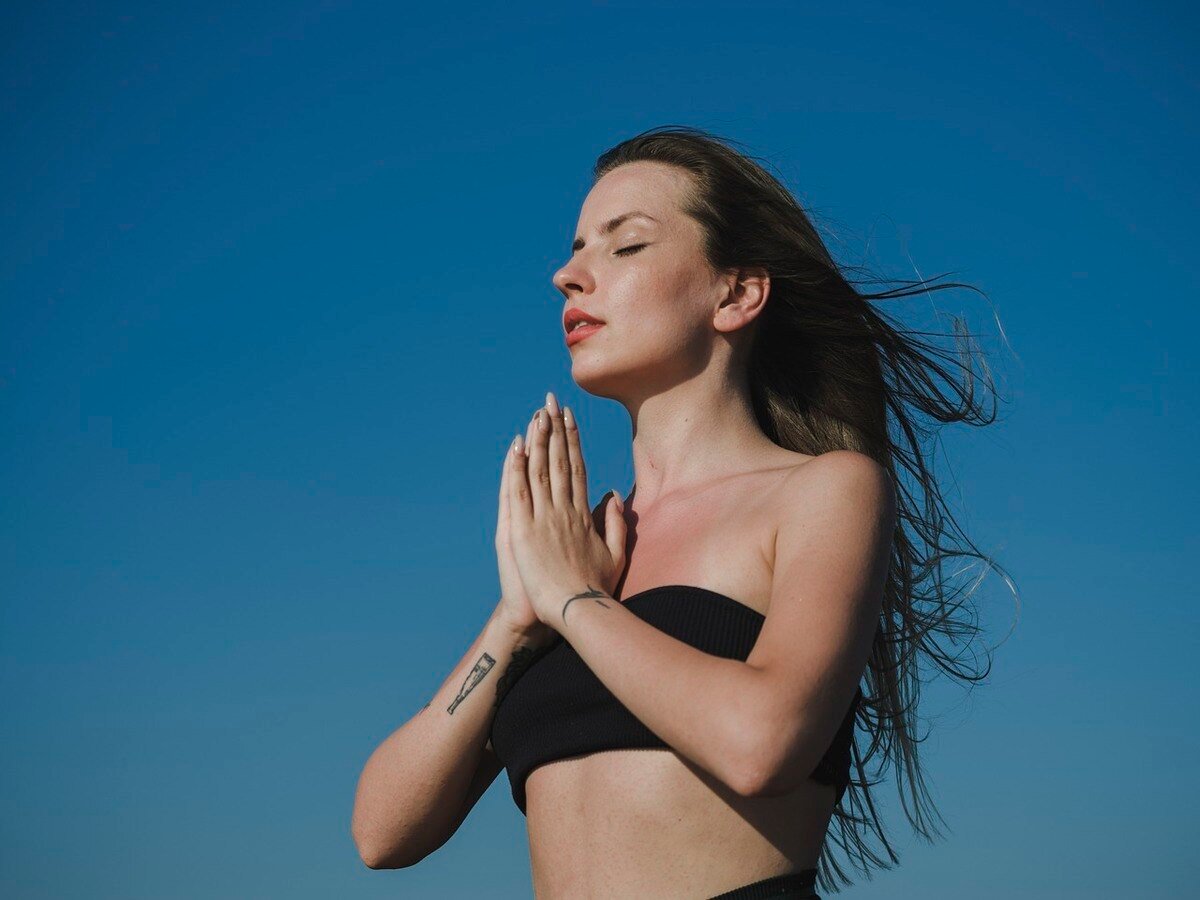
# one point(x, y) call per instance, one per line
point(647, 280)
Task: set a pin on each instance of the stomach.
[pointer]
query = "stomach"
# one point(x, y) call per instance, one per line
point(646, 822)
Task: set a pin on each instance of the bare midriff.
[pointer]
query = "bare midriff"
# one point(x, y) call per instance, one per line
point(644, 823)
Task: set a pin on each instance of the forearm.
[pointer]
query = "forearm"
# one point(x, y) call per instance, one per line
point(413, 784)
point(700, 705)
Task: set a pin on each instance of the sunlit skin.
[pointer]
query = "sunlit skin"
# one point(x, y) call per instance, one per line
point(712, 495)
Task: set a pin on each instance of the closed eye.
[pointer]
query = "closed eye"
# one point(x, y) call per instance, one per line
point(626, 251)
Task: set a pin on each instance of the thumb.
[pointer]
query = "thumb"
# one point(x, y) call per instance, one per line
point(615, 528)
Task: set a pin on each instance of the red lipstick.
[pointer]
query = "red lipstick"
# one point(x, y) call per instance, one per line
point(579, 325)
point(575, 335)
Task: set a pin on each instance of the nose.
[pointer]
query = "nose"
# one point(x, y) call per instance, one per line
point(563, 281)
point(571, 278)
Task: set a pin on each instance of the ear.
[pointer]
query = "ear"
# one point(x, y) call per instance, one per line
point(746, 299)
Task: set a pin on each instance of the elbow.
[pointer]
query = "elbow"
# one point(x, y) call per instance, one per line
point(376, 856)
point(762, 777)
point(370, 856)
point(381, 863)
point(750, 781)
point(770, 760)
point(373, 859)
point(756, 772)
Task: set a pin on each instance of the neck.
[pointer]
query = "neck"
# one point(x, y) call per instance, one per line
point(692, 434)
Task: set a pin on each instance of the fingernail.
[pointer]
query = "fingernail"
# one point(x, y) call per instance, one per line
point(568, 416)
point(551, 403)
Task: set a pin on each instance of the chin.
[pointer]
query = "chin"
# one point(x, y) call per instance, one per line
point(596, 378)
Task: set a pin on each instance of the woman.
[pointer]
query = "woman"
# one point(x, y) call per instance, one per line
point(678, 675)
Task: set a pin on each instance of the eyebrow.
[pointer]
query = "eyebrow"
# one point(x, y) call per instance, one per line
point(612, 225)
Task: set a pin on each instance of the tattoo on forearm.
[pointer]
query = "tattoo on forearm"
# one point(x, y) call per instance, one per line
point(473, 678)
point(590, 592)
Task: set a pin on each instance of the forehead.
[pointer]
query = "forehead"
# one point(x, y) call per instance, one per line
point(650, 187)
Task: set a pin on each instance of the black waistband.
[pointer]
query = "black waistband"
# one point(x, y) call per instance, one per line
point(794, 884)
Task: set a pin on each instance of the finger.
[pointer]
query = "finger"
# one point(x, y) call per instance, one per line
point(519, 505)
point(616, 531)
point(505, 516)
point(536, 471)
point(579, 488)
point(530, 433)
point(558, 462)
point(502, 510)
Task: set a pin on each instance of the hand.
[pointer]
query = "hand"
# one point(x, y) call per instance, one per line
point(515, 606)
point(559, 550)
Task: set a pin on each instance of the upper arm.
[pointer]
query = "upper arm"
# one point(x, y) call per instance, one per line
point(832, 550)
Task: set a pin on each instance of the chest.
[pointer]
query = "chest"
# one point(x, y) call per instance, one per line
point(723, 541)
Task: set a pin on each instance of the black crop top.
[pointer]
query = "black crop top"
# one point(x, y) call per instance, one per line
point(558, 707)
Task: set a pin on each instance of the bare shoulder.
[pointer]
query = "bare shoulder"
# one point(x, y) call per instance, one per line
point(837, 479)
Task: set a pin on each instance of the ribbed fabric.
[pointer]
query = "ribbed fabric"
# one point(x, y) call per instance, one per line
point(559, 708)
point(794, 884)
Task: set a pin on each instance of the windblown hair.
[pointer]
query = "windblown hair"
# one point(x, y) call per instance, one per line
point(829, 370)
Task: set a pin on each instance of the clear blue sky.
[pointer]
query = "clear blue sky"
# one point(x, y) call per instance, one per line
point(276, 295)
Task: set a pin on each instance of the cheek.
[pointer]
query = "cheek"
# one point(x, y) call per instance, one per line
point(660, 312)
point(678, 309)
point(671, 297)
point(661, 327)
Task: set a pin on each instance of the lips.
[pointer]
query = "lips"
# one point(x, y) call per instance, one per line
point(575, 315)
point(575, 335)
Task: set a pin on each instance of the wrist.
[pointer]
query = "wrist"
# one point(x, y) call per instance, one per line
point(526, 633)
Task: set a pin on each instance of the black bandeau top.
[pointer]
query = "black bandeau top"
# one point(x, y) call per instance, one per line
point(558, 707)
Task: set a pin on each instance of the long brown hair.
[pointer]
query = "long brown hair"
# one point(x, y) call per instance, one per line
point(829, 370)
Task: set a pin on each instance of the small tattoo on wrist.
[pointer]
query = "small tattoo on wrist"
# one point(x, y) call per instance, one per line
point(590, 592)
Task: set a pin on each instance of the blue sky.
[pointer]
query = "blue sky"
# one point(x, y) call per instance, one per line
point(276, 295)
